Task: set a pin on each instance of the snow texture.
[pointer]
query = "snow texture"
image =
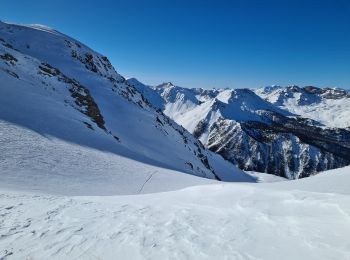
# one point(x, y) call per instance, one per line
point(302, 219)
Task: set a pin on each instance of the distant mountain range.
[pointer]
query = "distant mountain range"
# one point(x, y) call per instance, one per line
point(61, 102)
point(328, 106)
point(287, 131)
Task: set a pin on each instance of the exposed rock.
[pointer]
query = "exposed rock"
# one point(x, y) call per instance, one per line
point(8, 57)
point(81, 94)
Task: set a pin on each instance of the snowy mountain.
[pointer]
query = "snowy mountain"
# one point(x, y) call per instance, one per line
point(68, 118)
point(328, 106)
point(75, 135)
point(255, 134)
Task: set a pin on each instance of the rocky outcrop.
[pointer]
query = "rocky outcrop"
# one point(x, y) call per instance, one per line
point(81, 94)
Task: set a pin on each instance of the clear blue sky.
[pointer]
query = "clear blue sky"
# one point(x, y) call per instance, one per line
point(207, 43)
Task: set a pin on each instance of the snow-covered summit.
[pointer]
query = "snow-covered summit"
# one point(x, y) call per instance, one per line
point(67, 117)
point(59, 50)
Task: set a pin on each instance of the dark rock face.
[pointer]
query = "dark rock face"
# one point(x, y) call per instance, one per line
point(285, 147)
point(81, 94)
point(328, 93)
point(8, 57)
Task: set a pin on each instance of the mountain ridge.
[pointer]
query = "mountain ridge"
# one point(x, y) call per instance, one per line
point(62, 90)
point(257, 134)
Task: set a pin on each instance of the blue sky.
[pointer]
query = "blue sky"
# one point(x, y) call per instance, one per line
point(207, 43)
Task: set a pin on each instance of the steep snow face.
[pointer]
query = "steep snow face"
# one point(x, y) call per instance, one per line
point(245, 105)
point(330, 107)
point(234, 104)
point(49, 46)
point(70, 99)
point(153, 97)
point(177, 100)
point(308, 218)
point(256, 134)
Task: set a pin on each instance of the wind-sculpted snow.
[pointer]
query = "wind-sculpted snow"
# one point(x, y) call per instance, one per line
point(59, 92)
point(303, 219)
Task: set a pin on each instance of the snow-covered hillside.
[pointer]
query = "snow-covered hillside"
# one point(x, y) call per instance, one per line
point(302, 219)
point(80, 146)
point(329, 106)
point(69, 121)
point(253, 133)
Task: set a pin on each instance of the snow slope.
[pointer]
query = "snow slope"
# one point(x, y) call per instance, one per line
point(33, 162)
point(330, 107)
point(302, 219)
point(70, 122)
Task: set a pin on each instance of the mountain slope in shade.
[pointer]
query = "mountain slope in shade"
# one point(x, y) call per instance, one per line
point(328, 106)
point(67, 116)
point(256, 134)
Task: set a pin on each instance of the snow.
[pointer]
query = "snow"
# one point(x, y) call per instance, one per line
point(71, 192)
point(266, 177)
point(33, 162)
point(192, 117)
point(328, 111)
point(334, 181)
point(218, 221)
point(30, 161)
point(189, 107)
point(153, 97)
point(47, 135)
point(234, 123)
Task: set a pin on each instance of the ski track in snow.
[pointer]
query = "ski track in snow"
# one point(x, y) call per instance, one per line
point(221, 221)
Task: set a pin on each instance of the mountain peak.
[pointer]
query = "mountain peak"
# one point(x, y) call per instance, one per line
point(165, 85)
point(54, 86)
